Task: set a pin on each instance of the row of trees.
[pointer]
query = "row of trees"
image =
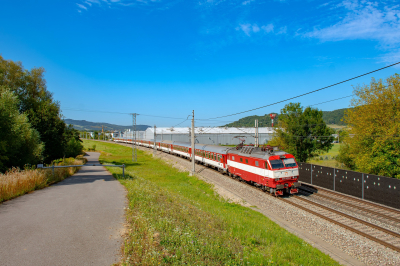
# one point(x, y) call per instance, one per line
point(31, 127)
point(370, 145)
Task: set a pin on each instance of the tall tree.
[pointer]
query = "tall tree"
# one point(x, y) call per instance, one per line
point(19, 142)
point(302, 132)
point(373, 145)
point(37, 103)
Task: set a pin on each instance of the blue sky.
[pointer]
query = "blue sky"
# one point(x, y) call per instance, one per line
point(167, 58)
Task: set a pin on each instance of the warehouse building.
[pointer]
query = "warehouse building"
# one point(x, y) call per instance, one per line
point(206, 135)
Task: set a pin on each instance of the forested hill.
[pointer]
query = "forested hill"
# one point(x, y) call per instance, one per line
point(83, 125)
point(334, 117)
point(330, 117)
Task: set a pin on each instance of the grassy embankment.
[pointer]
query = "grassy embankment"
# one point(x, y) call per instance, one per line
point(176, 219)
point(18, 182)
point(328, 158)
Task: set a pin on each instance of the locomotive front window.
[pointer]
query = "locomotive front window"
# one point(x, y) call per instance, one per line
point(276, 164)
point(289, 162)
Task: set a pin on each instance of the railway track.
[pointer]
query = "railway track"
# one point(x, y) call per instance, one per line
point(380, 211)
point(371, 231)
point(378, 234)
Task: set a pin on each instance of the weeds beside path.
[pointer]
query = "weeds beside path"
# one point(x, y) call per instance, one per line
point(175, 219)
point(18, 182)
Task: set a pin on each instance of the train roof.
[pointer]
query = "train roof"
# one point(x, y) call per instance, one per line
point(205, 147)
point(256, 152)
point(246, 151)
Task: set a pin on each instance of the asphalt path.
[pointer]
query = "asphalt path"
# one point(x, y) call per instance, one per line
point(78, 221)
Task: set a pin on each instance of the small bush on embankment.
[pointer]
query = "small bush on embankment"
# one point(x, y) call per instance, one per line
point(17, 182)
point(175, 219)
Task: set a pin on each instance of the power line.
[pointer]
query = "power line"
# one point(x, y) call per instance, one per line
point(348, 96)
point(308, 92)
point(182, 121)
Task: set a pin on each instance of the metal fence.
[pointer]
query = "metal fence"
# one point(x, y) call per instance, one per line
point(40, 166)
point(379, 189)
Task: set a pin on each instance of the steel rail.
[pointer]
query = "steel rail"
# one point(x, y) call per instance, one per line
point(350, 217)
point(375, 239)
point(358, 207)
point(377, 205)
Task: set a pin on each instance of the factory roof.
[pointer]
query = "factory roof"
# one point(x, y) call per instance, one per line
point(210, 130)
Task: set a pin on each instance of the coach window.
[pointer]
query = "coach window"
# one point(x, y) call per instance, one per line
point(256, 163)
point(233, 158)
point(247, 161)
point(241, 160)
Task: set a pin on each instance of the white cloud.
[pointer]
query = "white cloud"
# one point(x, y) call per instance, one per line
point(81, 6)
point(268, 28)
point(391, 57)
point(247, 2)
point(364, 21)
point(249, 29)
point(255, 28)
point(246, 28)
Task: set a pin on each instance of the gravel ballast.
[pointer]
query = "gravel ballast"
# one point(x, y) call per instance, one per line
point(344, 246)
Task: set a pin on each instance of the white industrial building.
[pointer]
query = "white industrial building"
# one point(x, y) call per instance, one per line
point(206, 135)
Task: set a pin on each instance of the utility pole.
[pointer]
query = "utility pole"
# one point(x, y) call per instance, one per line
point(134, 151)
point(193, 153)
point(155, 137)
point(256, 133)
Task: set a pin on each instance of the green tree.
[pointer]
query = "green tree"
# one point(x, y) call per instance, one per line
point(302, 132)
point(19, 143)
point(373, 143)
point(73, 145)
point(37, 103)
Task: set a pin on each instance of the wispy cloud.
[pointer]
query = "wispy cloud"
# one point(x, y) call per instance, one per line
point(249, 29)
point(363, 21)
point(86, 4)
point(81, 6)
point(392, 57)
point(247, 2)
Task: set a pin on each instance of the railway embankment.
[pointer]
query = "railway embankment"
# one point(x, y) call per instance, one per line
point(349, 241)
point(174, 218)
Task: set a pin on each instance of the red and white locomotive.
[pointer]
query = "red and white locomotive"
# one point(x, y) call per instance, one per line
point(266, 167)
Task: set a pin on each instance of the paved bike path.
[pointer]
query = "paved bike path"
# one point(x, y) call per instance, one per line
point(78, 221)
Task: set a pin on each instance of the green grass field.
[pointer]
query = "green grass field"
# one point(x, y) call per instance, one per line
point(176, 219)
point(330, 162)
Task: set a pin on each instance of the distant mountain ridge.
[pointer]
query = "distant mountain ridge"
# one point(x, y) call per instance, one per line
point(84, 125)
point(330, 117)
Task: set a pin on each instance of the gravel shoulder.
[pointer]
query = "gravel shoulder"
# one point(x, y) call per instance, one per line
point(342, 245)
point(78, 221)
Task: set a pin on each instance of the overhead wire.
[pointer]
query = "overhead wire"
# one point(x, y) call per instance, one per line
point(301, 95)
point(213, 119)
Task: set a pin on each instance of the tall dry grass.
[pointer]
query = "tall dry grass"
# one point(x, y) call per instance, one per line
point(17, 182)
